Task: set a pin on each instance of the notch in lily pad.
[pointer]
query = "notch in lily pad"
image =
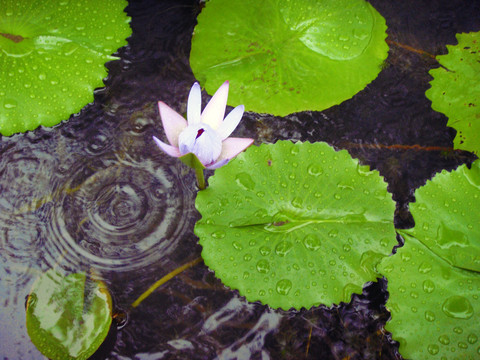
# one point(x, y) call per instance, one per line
point(53, 55)
point(68, 317)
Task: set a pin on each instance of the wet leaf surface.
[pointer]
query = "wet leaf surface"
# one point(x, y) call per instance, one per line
point(52, 56)
point(455, 90)
point(295, 225)
point(288, 56)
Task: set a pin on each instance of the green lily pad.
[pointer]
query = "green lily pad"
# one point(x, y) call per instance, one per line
point(295, 225)
point(285, 56)
point(435, 307)
point(447, 216)
point(68, 317)
point(456, 91)
point(52, 55)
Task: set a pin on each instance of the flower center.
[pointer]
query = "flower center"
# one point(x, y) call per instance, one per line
point(201, 140)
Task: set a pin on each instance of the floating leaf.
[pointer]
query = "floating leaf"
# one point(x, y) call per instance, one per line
point(455, 90)
point(52, 55)
point(68, 317)
point(295, 225)
point(434, 282)
point(435, 307)
point(286, 56)
point(447, 216)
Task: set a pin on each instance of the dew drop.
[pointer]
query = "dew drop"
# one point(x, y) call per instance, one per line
point(263, 266)
point(9, 104)
point(245, 181)
point(337, 196)
point(472, 338)
point(333, 233)
point(297, 202)
point(284, 286)
point(457, 330)
point(311, 242)
point(246, 275)
point(347, 248)
point(458, 307)
point(247, 257)
point(283, 248)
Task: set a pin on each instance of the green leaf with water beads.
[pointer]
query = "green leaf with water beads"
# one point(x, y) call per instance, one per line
point(286, 56)
point(52, 55)
point(295, 225)
point(455, 90)
point(68, 317)
point(447, 216)
point(435, 306)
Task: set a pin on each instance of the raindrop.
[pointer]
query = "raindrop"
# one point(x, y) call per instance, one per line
point(457, 330)
point(247, 257)
point(314, 170)
point(428, 286)
point(265, 250)
point(462, 345)
point(444, 339)
point(237, 245)
point(429, 316)
point(245, 181)
point(246, 275)
point(424, 268)
point(347, 248)
point(472, 338)
point(433, 349)
point(337, 196)
point(284, 286)
point(333, 233)
point(283, 248)
point(458, 307)
point(220, 234)
point(263, 266)
point(9, 104)
point(297, 202)
point(311, 242)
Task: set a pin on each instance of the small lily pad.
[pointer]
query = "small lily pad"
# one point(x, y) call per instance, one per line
point(53, 54)
point(455, 90)
point(295, 224)
point(68, 317)
point(435, 307)
point(286, 56)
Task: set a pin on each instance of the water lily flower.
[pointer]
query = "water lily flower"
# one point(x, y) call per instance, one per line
point(204, 134)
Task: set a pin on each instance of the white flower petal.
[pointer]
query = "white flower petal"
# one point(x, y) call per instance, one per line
point(194, 105)
point(231, 122)
point(215, 110)
point(173, 123)
point(201, 140)
point(231, 147)
point(168, 149)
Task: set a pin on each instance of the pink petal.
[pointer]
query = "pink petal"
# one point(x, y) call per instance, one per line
point(194, 104)
point(168, 149)
point(231, 122)
point(215, 110)
point(231, 147)
point(173, 123)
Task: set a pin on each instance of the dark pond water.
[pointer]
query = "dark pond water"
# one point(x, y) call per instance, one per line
point(94, 192)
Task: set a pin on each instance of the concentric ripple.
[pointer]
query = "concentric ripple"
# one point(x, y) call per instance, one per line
point(119, 217)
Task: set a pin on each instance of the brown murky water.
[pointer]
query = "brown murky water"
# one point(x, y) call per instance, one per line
point(94, 192)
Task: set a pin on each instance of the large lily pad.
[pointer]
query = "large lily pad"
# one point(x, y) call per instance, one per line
point(286, 56)
point(434, 282)
point(447, 216)
point(435, 307)
point(52, 55)
point(295, 225)
point(455, 90)
point(68, 317)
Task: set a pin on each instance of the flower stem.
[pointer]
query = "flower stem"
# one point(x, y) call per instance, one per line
point(164, 279)
point(200, 178)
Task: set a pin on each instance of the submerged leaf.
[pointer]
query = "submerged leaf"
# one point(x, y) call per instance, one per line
point(52, 55)
point(68, 317)
point(288, 56)
point(455, 90)
point(295, 225)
